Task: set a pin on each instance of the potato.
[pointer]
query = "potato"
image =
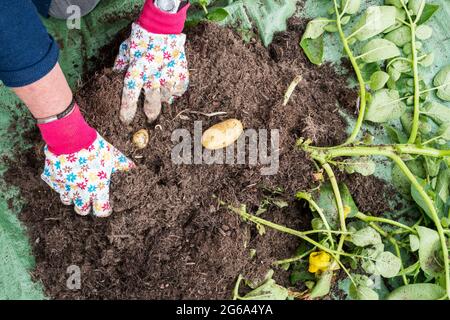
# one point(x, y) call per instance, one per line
point(140, 139)
point(222, 134)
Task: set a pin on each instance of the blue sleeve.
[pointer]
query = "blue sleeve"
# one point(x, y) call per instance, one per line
point(27, 51)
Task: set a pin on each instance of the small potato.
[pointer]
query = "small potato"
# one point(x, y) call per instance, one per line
point(140, 139)
point(222, 135)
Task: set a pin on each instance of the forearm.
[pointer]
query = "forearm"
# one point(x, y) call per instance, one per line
point(47, 96)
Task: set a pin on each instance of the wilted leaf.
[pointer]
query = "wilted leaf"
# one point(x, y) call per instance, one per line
point(443, 79)
point(400, 36)
point(351, 6)
point(387, 264)
point(427, 61)
point(362, 165)
point(438, 112)
point(375, 20)
point(429, 251)
point(418, 291)
point(414, 242)
point(323, 285)
point(378, 80)
point(365, 237)
point(385, 106)
point(269, 290)
point(362, 293)
point(315, 28)
point(424, 32)
point(379, 49)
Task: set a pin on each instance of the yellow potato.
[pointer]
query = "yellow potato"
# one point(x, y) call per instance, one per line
point(140, 139)
point(222, 134)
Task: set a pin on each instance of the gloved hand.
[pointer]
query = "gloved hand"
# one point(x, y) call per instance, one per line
point(79, 164)
point(155, 60)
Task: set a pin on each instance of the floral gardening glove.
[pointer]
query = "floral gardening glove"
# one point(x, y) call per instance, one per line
point(79, 164)
point(155, 61)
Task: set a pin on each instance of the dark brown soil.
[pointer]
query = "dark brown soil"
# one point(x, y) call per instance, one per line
point(168, 237)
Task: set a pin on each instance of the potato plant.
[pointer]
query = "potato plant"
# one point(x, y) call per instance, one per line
point(384, 45)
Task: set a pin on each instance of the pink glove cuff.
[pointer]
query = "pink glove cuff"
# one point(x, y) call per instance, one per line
point(69, 134)
point(157, 21)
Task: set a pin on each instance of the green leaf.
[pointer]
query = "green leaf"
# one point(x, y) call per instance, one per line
point(394, 74)
point(417, 291)
point(418, 197)
point(315, 28)
point(406, 120)
point(432, 166)
point(396, 3)
point(442, 190)
point(351, 6)
point(387, 264)
point(325, 199)
point(424, 32)
point(365, 237)
point(416, 5)
point(269, 16)
point(400, 36)
point(217, 14)
point(313, 49)
point(427, 61)
point(322, 286)
point(378, 80)
point(402, 66)
point(428, 12)
point(414, 242)
point(367, 69)
point(300, 274)
point(444, 132)
point(361, 165)
point(194, 18)
point(397, 136)
point(384, 106)
point(437, 112)
point(443, 79)
point(378, 50)
point(375, 20)
point(429, 251)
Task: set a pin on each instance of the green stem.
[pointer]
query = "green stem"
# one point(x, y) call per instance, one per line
point(397, 252)
point(416, 112)
point(340, 206)
point(287, 230)
point(362, 87)
point(204, 9)
point(293, 259)
point(325, 154)
point(367, 218)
